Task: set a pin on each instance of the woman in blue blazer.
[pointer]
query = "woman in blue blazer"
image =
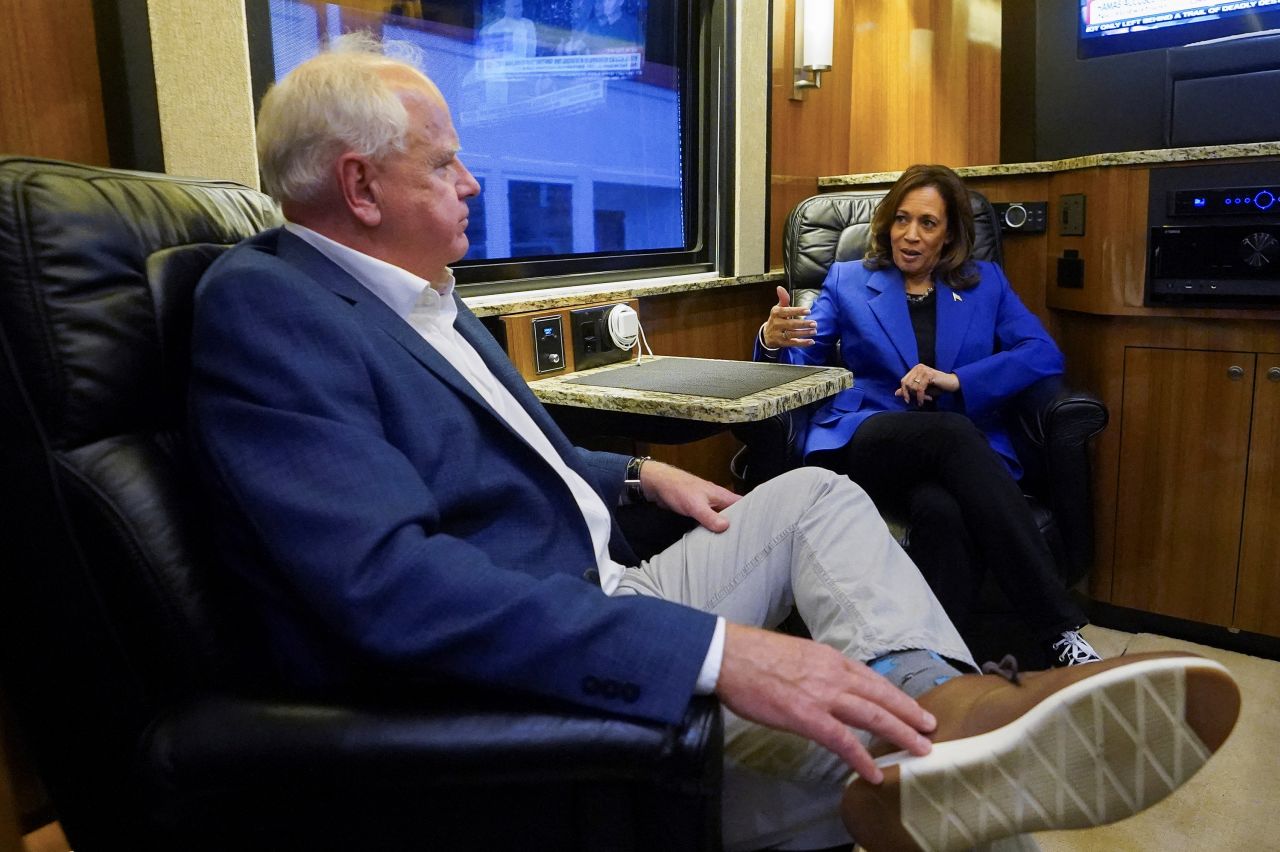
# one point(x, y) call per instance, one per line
point(937, 343)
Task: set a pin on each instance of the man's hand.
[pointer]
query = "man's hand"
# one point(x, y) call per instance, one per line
point(686, 494)
point(812, 690)
point(786, 325)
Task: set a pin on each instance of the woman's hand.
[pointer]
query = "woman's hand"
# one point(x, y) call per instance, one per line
point(916, 385)
point(787, 326)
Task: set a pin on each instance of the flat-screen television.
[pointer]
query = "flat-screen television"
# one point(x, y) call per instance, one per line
point(1118, 26)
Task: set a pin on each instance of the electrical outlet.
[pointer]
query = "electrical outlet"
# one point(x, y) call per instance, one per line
point(593, 344)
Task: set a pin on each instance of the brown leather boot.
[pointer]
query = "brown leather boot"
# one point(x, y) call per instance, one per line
point(1064, 748)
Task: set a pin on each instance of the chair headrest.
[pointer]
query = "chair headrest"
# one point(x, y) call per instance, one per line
point(96, 271)
point(836, 226)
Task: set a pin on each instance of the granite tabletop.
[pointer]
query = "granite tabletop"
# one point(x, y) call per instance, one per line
point(810, 387)
point(1121, 158)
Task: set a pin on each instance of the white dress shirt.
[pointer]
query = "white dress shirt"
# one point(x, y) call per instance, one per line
point(430, 309)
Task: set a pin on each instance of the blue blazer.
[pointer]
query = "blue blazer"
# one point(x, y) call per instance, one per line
point(985, 335)
point(387, 519)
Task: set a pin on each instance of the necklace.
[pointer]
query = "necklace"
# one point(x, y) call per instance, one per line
point(919, 297)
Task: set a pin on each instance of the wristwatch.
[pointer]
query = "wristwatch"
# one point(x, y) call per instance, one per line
point(635, 493)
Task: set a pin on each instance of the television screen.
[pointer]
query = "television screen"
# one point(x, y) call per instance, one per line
point(1118, 26)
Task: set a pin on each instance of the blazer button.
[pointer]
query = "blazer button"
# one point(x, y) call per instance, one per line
point(630, 693)
point(592, 576)
point(591, 685)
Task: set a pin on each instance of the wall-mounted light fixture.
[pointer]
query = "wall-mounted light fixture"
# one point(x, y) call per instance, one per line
point(815, 30)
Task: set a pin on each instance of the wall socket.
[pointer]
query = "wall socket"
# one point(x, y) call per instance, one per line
point(1071, 217)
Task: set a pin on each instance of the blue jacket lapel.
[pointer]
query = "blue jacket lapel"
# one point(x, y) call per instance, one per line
point(954, 316)
point(889, 304)
point(375, 311)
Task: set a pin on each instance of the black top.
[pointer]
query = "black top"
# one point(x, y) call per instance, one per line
point(924, 320)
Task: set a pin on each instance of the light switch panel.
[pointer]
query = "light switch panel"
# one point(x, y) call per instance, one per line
point(548, 344)
point(1071, 217)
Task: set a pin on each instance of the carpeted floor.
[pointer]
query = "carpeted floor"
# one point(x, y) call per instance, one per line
point(1233, 803)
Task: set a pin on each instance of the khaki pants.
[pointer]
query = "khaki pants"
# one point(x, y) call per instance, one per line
point(812, 540)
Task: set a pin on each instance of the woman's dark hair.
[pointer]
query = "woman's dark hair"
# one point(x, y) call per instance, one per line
point(953, 268)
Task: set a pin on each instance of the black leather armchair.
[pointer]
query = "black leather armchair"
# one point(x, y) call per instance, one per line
point(1051, 425)
point(122, 647)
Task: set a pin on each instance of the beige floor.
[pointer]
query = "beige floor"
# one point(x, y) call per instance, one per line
point(1231, 804)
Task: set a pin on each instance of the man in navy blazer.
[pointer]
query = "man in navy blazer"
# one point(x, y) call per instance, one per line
point(400, 505)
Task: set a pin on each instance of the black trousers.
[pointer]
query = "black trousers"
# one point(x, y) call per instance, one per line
point(966, 514)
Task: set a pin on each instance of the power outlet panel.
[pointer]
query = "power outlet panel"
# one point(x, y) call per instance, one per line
point(593, 345)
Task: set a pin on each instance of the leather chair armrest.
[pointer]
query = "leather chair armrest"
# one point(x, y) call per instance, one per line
point(1052, 414)
point(224, 766)
point(1052, 428)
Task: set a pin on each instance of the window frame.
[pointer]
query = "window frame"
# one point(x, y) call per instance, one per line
point(707, 169)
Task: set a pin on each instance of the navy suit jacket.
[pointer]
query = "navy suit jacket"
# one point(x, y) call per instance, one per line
point(985, 335)
point(386, 518)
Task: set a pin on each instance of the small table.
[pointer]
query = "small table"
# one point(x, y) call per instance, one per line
point(668, 416)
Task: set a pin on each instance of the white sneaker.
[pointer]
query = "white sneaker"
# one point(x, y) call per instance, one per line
point(1072, 649)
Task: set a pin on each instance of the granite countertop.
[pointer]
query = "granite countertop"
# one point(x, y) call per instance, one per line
point(1122, 158)
point(613, 291)
point(746, 409)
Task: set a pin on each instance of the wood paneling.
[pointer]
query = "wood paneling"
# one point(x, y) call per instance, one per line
point(52, 96)
point(785, 192)
point(1184, 443)
point(707, 323)
point(1095, 347)
point(811, 137)
point(1258, 593)
point(10, 838)
point(926, 84)
point(21, 794)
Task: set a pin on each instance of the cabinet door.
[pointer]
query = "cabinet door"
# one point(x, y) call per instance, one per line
point(1258, 596)
point(1183, 444)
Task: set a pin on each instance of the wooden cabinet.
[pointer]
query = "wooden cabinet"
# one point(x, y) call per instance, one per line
point(1258, 591)
point(1198, 487)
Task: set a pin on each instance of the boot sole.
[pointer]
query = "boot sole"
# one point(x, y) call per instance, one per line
point(1096, 751)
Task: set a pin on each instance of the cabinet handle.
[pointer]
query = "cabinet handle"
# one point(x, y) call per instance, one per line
point(1235, 373)
point(1273, 375)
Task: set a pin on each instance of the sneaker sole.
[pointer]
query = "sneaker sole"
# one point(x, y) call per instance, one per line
point(1096, 751)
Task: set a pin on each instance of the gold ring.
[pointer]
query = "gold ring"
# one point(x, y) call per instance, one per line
point(915, 381)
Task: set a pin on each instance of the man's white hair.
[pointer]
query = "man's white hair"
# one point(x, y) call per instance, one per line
point(341, 100)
